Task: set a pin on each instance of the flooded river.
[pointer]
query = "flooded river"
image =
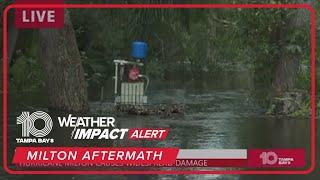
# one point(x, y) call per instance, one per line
point(220, 113)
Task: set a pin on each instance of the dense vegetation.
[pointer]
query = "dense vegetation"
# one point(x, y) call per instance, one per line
point(194, 42)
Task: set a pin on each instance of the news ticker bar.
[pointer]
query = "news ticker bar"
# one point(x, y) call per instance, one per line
point(168, 157)
point(212, 154)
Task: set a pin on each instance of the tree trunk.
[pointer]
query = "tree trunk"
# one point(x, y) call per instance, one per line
point(61, 62)
point(288, 64)
point(13, 33)
point(212, 29)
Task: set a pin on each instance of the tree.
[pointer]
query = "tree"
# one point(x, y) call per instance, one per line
point(13, 33)
point(290, 52)
point(61, 61)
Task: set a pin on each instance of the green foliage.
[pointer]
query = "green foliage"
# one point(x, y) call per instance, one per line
point(195, 42)
point(26, 75)
point(154, 70)
point(304, 110)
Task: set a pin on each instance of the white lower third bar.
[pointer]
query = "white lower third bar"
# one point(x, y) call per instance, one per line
point(212, 154)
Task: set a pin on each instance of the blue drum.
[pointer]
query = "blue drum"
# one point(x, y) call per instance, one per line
point(139, 50)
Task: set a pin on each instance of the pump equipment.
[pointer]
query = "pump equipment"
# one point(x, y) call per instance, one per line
point(129, 84)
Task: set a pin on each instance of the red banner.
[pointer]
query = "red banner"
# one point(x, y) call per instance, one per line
point(276, 158)
point(95, 155)
point(39, 17)
point(211, 163)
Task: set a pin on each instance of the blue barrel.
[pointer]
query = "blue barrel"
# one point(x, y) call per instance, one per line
point(139, 50)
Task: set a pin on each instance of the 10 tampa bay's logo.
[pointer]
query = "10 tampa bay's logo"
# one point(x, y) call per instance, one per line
point(28, 127)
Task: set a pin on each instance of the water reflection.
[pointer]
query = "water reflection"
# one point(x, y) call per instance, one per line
point(220, 113)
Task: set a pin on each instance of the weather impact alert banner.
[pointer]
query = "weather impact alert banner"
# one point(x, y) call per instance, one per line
point(137, 125)
point(104, 128)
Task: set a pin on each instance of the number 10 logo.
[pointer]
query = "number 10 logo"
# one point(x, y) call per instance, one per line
point(27, 121)
point(269, 158)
